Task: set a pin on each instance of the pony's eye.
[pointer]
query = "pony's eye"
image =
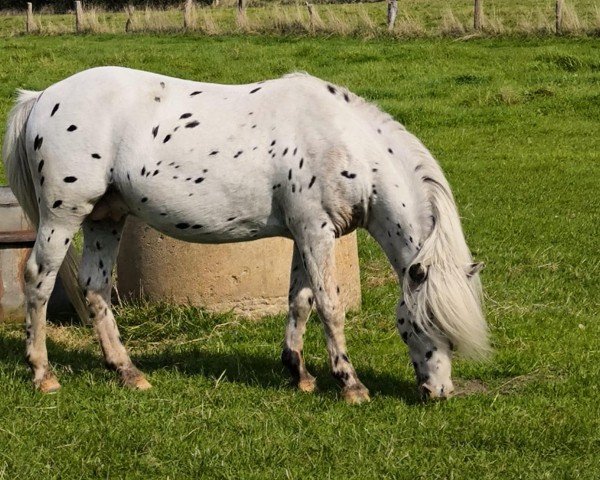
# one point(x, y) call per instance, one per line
point(417, 273)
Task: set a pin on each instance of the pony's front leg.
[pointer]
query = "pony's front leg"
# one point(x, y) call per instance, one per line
point(101, 243)
point(316, 248)
point(300, 305)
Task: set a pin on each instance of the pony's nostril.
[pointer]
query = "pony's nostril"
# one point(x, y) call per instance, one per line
point(425, 391)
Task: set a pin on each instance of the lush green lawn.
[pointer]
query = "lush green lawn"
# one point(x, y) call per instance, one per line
point(515, 125)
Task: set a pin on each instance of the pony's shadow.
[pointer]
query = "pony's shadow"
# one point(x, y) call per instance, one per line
point(268, 372)
point(245, 368)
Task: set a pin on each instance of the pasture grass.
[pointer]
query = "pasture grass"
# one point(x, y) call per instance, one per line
point(514, 124)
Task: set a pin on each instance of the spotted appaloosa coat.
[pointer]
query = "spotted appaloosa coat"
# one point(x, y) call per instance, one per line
point(294, 157)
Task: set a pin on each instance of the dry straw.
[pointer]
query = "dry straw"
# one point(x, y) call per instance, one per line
point(451, 26)
point(408, 26)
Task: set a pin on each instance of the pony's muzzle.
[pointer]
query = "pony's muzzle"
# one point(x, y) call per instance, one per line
point(441, 392)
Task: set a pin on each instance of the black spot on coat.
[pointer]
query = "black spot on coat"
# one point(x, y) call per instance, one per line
point(55, 109)
point(70, 179)
point(72, 128)
point(192, 124)
point(37, 143)
point(57, 204)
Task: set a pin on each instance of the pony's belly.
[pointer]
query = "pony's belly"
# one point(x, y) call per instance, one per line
point(241, 232)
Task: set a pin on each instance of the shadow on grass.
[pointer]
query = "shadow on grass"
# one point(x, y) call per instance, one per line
point(239, 367)
point(268, 372)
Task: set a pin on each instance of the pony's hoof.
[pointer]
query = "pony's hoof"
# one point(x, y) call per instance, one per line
point(135, 380)
point(142, 384)
point(48, 384)
point(356, 395)
point(307, 384)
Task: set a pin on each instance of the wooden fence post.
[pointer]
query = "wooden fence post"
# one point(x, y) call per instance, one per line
point(478, 15)
point(392, 11)
point(129, 24)
point(558, 28)
point(311, 15)
point(78, 16)
point(30, 25)
point(188, 15)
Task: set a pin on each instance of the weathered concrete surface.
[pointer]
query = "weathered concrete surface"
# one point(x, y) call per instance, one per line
point(13, 256)
point(16, 240)
point(251, 278)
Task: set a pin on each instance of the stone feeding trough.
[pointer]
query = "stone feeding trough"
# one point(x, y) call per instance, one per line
point(16, 239)
point(248, 278)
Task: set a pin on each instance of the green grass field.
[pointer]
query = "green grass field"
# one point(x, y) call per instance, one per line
point(514, 124)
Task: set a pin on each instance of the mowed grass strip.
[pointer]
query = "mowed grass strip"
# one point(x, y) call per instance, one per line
point(514, 124)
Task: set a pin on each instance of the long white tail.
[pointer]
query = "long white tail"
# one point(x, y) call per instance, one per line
point(448, 302)
point(18, 173)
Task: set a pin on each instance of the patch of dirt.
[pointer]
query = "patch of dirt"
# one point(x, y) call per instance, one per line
point(464, 388)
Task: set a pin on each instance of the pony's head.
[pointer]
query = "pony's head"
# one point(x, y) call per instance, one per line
point(441, 312)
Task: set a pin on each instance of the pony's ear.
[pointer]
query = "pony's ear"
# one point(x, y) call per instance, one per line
point(474, 268)
point(417, 273)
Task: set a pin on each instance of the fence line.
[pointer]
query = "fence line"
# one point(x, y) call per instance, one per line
point(480, 24)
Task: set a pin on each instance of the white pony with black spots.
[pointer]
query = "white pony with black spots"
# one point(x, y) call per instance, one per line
point(295, 157)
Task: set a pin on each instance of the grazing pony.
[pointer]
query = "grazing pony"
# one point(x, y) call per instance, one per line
point(295, 157)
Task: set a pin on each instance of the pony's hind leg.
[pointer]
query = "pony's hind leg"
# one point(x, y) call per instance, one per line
point(300, 305)
point(316, 247)
point(51, 245)
point(101, 243)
